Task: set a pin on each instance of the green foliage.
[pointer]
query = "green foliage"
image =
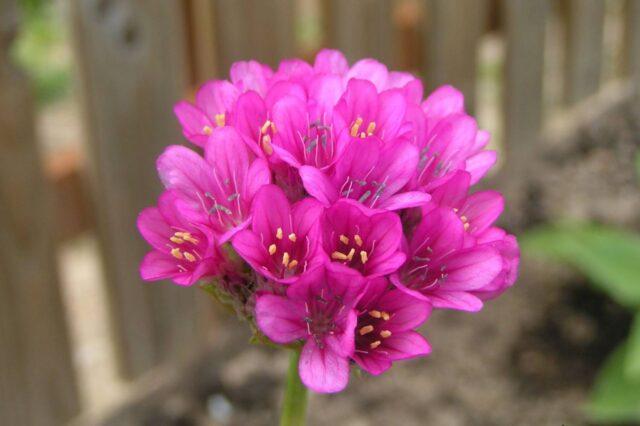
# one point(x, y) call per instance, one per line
point(611, 260)
point(41, 50)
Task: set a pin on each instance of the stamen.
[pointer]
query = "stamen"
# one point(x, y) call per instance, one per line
point(375, 344)
point(293, 264)
point(385, 315)
point(285, 259)
point(176, 240)
point(366, 329)
point(273, 128)
point(279, 233)
point(466, 226)
point(265, 127)
point(358, 240)
point(266, 144)
point(464, 218)
point(375, 314)
point(220, 120)
point(189, 256)
point(292, 237)
point(371, 128)
point(363, 135)
point(385, 333)
point(356, 127)
point(338, 256)
point(363, 256)
point(176, 253)
point(351, 253)
point(272, 249)
point(207, 130)
point(344, 239)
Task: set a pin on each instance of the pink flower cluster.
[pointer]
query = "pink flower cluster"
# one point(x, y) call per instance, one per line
point(332, 205)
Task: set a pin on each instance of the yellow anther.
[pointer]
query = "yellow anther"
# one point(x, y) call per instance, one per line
point(273, 128)
point(189, 256)
point(371, 128)
point(220, 120)
point(385, 315)
point(176, 253)
point(375, 314)
point(363, 135)
point(385, 333)
point(466, 226)
point(272, 249)
point(344, 239)
point(207, 130)
point(176, 240)
point(293, 264)
point(375, 344)
point(464, 218)
point(363, 256)
point(279, 233)
point(356, 127)
point(293, 237)
point(338, 256)
point(366, 329)
point(265, 127)
point(285, 259)
point(266, 145)
point(358, 240)
point(192, 240)
point(351, 253)
point(455, 210)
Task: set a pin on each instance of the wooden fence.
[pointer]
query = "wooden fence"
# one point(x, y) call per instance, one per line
point(135, 59)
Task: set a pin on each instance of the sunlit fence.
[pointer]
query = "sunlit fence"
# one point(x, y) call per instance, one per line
point(135, 59)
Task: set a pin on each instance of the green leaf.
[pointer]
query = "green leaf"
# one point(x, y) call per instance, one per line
point(615, 397)
point(608, 257)
point(632, 361)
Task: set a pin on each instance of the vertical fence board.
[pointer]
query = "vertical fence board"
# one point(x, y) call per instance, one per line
point(525, 32)
point(254, 29)
point(584, 35)
point(632, 42)
point(361, 28)
point(37, 382)
point(200, 28)
point(452, 32)
point(132, 66)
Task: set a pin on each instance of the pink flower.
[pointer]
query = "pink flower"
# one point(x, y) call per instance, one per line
point(319, 310)
point(363, 239)
point(283, 240)
point(441, 269)
point(217, 190)
point(386, 320)
point(182, 252)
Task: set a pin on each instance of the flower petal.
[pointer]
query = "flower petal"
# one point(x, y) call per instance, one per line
point(322, 370)
point(280, 319)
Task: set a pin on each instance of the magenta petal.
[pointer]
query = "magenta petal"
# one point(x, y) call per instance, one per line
point(249, 246)
point(331, 62)
point(157, 266)
point(391, 110)
point(371, 70)
point(479, 164)
point(471, 269)
point(482, 209)
point(257, 176)
point(250, 75)
point(318, 185)
point(405, 200)
point(217, 97)
point(185, 171)
point(408, 312)
point(322, 370)
point(405, 345)
point(280, 319)
point(443, 102)
point(372, 363)
point(459, 300)
point(154, 228)
point(193, 122)
point(271, 211)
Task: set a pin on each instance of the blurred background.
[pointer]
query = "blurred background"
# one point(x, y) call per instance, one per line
point(86, 95)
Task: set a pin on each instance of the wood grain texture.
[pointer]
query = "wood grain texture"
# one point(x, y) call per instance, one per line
point(525, 35)
point(263, 30)
point(632, 43)
point(584, 35)
point(361, 28)
point(133, 69)
point(452, 32)
point(37, 382)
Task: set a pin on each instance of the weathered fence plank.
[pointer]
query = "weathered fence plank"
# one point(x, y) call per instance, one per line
point(132, 67)
point(37, 383)
point(202, 34)
point(254, 29)
point(453, 29)
point(632, 42)
point(584, 34)
point(361, 28)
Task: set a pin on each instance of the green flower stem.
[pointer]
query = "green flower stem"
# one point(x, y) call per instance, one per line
point(294, 407)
